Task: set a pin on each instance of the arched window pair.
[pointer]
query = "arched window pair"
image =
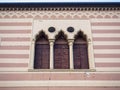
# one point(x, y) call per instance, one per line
point(61, 52)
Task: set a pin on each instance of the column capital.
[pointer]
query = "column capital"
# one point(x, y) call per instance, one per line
point(70, 41)
point(89, 40)
point(51, 40)
point(33, 40)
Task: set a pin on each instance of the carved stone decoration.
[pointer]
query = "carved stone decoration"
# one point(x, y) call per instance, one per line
point(70, 29)
point(51, 29)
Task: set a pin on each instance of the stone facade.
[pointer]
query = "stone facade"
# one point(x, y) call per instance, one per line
point(19, 28)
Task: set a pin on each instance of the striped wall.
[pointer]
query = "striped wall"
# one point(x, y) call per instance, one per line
point(15, 36)
point(15, 42)
point(106, 40)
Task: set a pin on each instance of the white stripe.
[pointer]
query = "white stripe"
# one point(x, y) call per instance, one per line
point(13, 69)
point(108, 69)
point(15, 43)
point(105, 27)
point(106, 35)
point(59, 83)
point(107, 51)
point(11, 60)
point(15, 27)
point(107, 60)
point(15, 35)
point(16, 20)
point(106, 42)
point(105, 20)
point(14, 51)
point(60, 72)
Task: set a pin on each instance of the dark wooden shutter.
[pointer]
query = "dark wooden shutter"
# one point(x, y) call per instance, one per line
point(41, 56)
point(42, 52)
point(61, 56)
point(80, 54)
point(61, 52)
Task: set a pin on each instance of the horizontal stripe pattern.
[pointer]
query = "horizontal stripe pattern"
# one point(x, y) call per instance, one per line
point(107, 64)
point(106, 41)
point(14, 31)
point(59, 88)
point(15, 39)
point(106, 35)
point(106, 60)
point(15, 24)
point(107, 51)
point(15, 35)
point(59, 83)
point(105, 31)
point(11, 60)
point(105, 23)
point(17, 43)
point(14, 51)
point(59, 76)
point(14, 56)
point(14, 47)
point(15, 28)
point(13, 64)
point(106, 47)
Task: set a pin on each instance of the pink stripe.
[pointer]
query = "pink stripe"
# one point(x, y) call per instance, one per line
point(107, 55)
point(58, 76)
point(15, 39)
point(15, 31)
point(106, 47)
point(15, 24)
point(14, 55)
point(105, 23)
point(107, 64)
point(106, 39)
point(60, 88)
point(14, 47)
point(105, 31)
point(13, 64)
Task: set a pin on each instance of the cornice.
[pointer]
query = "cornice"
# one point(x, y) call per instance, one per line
point(59, 9)
point(59, 6)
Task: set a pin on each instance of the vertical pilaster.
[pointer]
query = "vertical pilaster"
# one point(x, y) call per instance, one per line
point(51, 54)
point(71, 54)
point(31, 66)
point(90, 55)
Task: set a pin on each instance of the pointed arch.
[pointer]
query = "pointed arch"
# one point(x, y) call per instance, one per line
point(61, 52)
point(61, 38)
point(42, 51)
point(80, 51)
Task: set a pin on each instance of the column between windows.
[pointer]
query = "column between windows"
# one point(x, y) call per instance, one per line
point(51, 54)
point(71, 53)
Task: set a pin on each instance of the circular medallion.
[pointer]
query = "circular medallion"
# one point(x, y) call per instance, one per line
point(51, 29)
point(70, 29)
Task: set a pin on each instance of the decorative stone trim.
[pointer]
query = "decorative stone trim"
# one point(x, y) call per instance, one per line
point(57, 15)
point(59, 9)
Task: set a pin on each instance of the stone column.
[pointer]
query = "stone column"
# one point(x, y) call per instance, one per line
point(71, 53)
point(51, 54)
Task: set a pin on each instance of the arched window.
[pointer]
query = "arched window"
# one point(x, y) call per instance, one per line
point(41, 60)
point(61, 52)
point(80, 51)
